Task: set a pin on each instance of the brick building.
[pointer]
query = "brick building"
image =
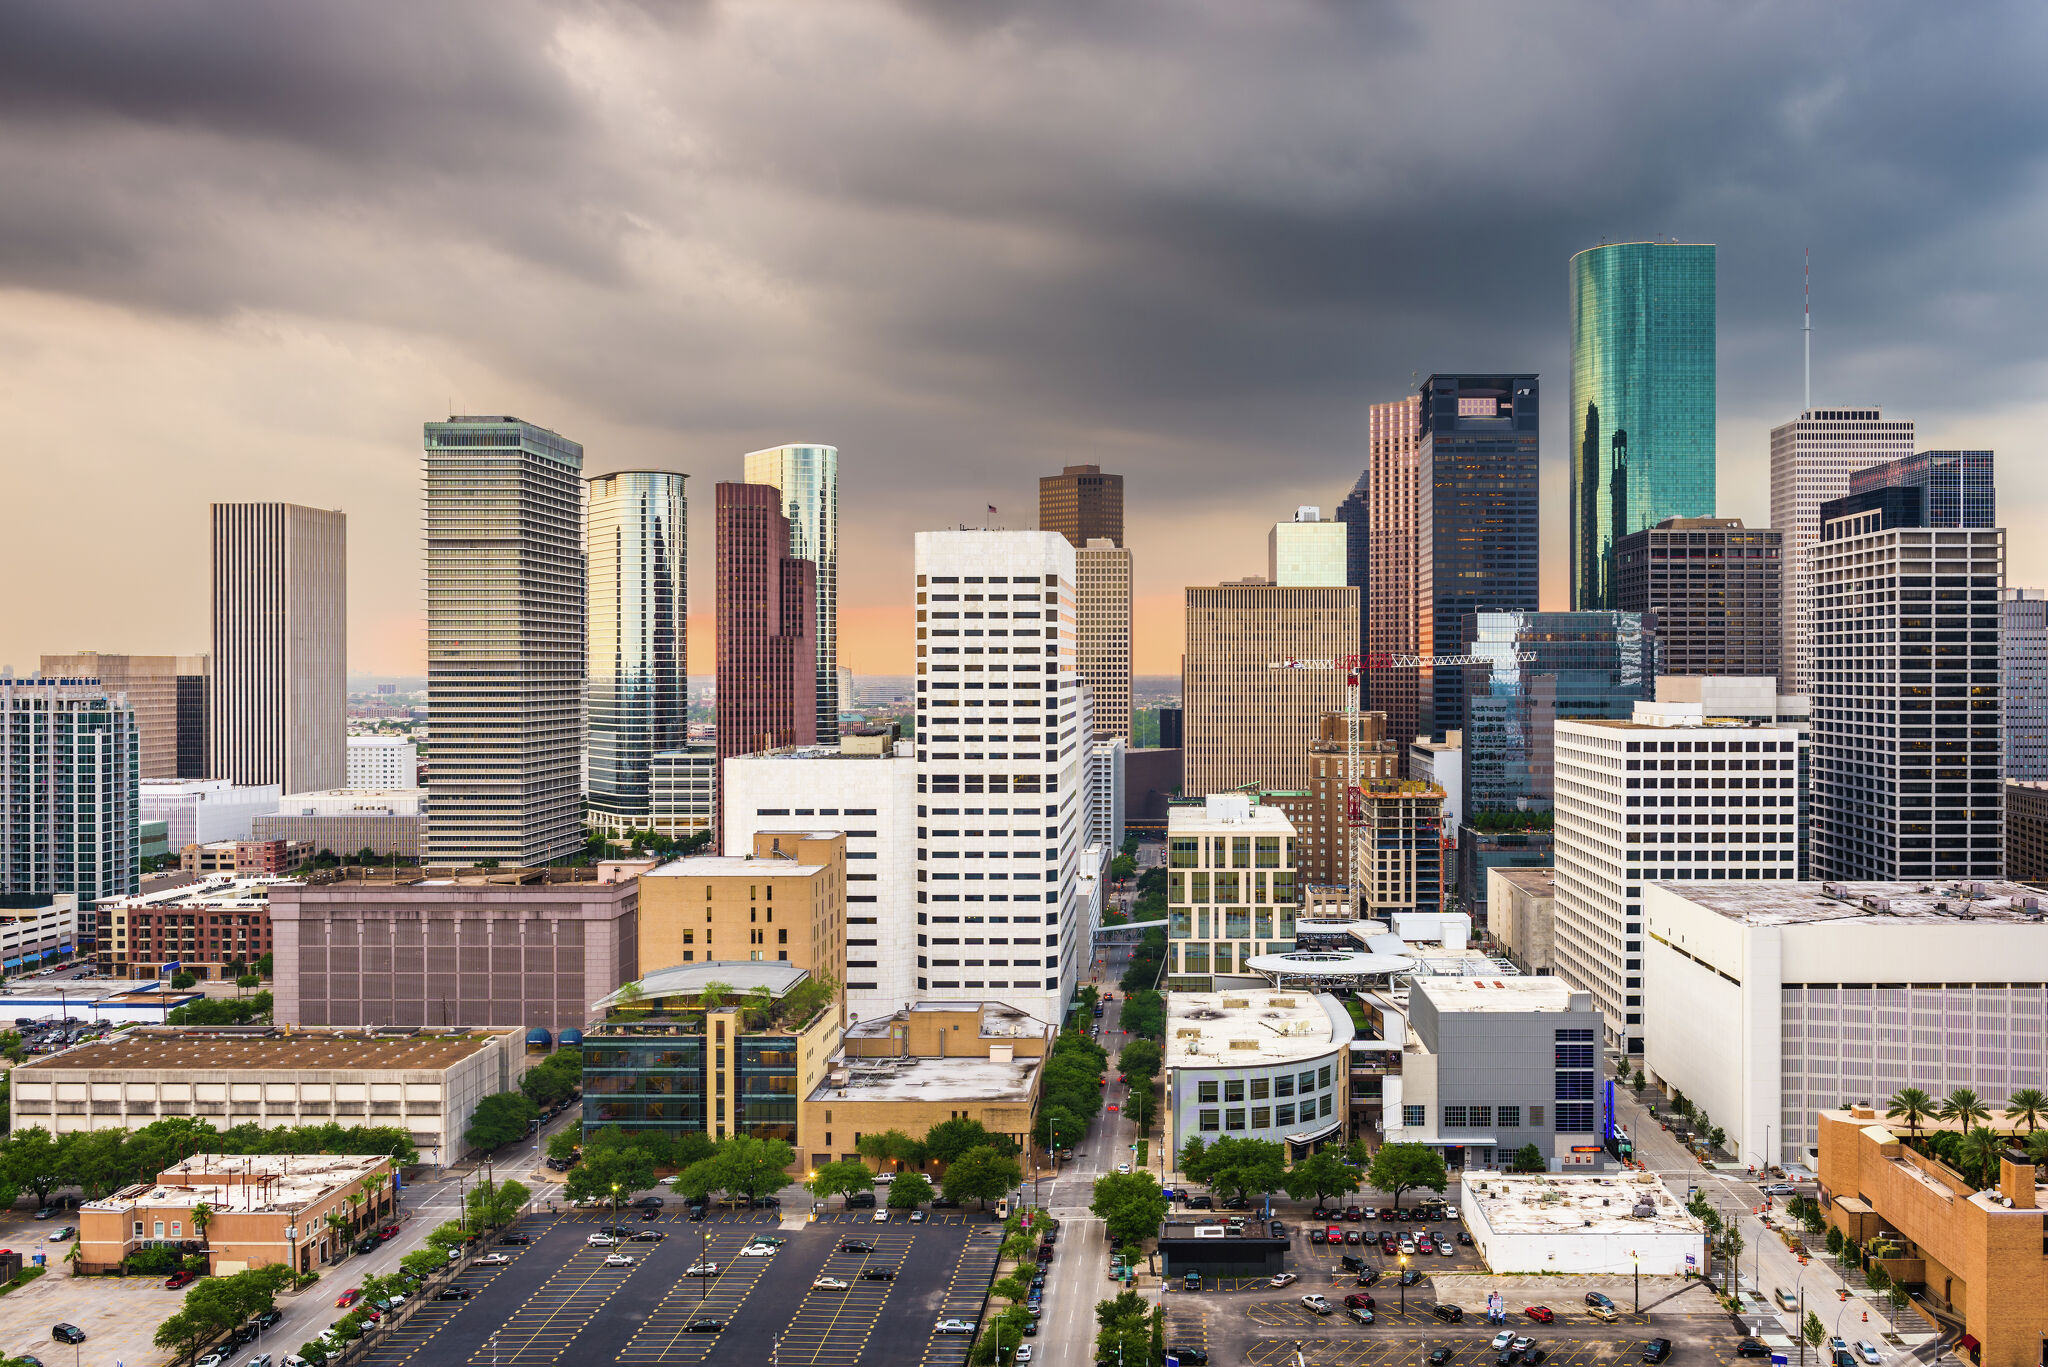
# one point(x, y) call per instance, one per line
point(204, 927)
point(767, 642)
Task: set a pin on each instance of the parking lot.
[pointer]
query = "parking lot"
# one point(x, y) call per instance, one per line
point(556, 1301)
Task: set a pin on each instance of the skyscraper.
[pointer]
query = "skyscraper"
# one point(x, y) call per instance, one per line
point(167, 693)
point(808, 478)
point(1102, 632)
point(1263, 664)
point(767, 647)
point(1081, 503)
point(1642, 416)
point(1712, 586)
point(638, 696)
point(68, 804)
point(1475, 522)
point(1957, 486)
point(2023, 666)
point(1812, 458)
point(1906, 693)
point(1391, 626)
point(1308, 552)
point(506, 617)
point(1354, 510)
point(280, 646)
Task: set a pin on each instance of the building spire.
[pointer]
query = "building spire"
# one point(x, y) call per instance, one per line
point(1807, 329)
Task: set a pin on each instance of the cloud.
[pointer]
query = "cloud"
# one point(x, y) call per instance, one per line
point(968, 244)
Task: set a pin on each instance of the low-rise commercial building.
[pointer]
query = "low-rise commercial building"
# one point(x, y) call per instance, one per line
point(1979, 1255)
point(710, 907)
point(1257, 1063)
point(244, 858)
point(389, 823)
point(1579, 1223)
point(382, 762)
point(92, 1002)
point(204, 927)
point(260, 1210)
point(1521, 905)
point(39, 927)
point(203, 810)
point(426, 1082)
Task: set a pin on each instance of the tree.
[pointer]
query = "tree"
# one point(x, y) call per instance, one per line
point(1981, 1149)
point(493, 1205)
point(1529, 1158)
point(373, 1186)
point(202, 1216)
point(1911, 1105)
point(714, 995)
point(1141, 1058)
point(36, 1161)
point(981, 1174)
point(562, 1145)
point(1877, 1277)
point(947, 1140)
point(498, 1120)
point(1240, 1166)
point(1835, 1241)
point(1124, 1329)
point(891, 1146)
point(1131, 1205)
point(2037, 1147)
point(1122, 867)
point(1144, 1015)
point(1813, 1331)
point(182, 1334)
point(1638, 1080)
point(445, 1236)
point(844, 1177)
point(909, 1191)
point(1321, 1175)
point(1190, 1158)
point(422, 1261)
point(554, 1079)
point(1059, 1128)
point(1965, 1106)
point(2028, 1106)
point(609, 1170)
point(1399, 1167)
point(753, 1166)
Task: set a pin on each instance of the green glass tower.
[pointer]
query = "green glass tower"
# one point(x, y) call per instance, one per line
point(1642, 415)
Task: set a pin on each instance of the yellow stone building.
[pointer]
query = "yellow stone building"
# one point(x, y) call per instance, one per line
point(784, 903)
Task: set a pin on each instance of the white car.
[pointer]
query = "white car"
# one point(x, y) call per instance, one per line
point(830, 1284)
point(881, 1216)
point(1123, 1167)
point(1023, 1352)
point(759, 1251)
point(1503, 1339)
point(1317, 1303)
point(494, 1260)
point(953, 1327)
point(883, 1179)
point(1446, 1250)
point(217, 1358)
point(619, 1260)
point(1283, 1279)
point(702, 1270)
point(918, 1217)
point(1868, 1352)
point(602, 1241)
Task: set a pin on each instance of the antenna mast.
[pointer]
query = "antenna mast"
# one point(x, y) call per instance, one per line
point(1808, 330)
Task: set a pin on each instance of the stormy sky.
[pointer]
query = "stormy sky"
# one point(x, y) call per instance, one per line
point(246, 248)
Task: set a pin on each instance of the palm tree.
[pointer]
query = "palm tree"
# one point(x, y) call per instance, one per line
point(1964, 1105)
point(375, 1184)
point(355, 1209)
point(2029, 1105)
point(1980, 1151)
point(202, 1216)
point(337, 1227)
point(2037, 1146)
point(1911, 1105)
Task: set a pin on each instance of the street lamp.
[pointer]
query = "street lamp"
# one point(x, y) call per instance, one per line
point(1404, 1283)
point(1637, 1259)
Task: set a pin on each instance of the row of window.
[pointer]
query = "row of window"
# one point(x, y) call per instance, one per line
point(1234, 1089)
point(1262, 1117)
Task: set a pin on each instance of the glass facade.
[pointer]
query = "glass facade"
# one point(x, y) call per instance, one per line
point(1642, 414)
point(638, 688)
point(653, 1082)
point(1957, 485)
point(808, 478)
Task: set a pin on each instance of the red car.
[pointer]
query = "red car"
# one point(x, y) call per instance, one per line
point(388, 1232)
point(1359, 1301)
point(178, 1279)
point(1541, 1314)
point(1389, 1244)
point(348, 1297)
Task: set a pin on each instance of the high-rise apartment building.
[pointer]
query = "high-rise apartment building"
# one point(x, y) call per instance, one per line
point(1906, 694)
point(682, 788)
point(767, 648)
point(1003, 757)
point(1230, 889)
point(280, 646)
point(1081, 504)
point(1713, 587)
point(167, 694)
point(2023, 665)
point(1391, 626)
point(1670, 794)
point(1812, 458)
point(1263, 664)
point(1102, 600)
point(1308, 552)
point(1475, 522)
point(637, 692)
point(68, 759)
point(808, 478)
point(1642, 415)
point(382, 762)
point(1957, 488)
point(1400, 837)
point(506, 609)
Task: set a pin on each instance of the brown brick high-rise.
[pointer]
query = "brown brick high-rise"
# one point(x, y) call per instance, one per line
point(767, 647)
point(1081, 503)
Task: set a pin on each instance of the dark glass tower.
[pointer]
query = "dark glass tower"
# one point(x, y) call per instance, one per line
point(1956, 486)
point(1355, 512)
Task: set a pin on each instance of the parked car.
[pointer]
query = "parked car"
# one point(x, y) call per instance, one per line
point(1316, 1304)
point(366, 1244)
point(67, 1333)
point(619, 1260)
point(602, 1240)
point(917, 1217)
point(1657, 1350)
point(702, 1270)
point(1316, 1235)
point(388, 1232)
point(1283, 1279)
point(1189, 1356)
point(648, 1236)
point(879, 1274)
point(1276, 1230)
point(494, 1260)
point(1596, 1298)
point(65, 1233)
point(1369, 1277)
point(1465, 1238)
point(46, 1212)
point(830, 1284)
point(1752, 1348)
point(1606, 1314)
point(180, 1279)
point(1440, 1357)
point(1410, 1276)
point(1504, 1339)
point(953, 1326)
point(269, 1319)
point(1449, 1314)
point(454, 1293)
point(1542, 1314)
point(516, 1239)
point(703, 1326)
point(1355, 1300)
point(1359, 1315)
point(856, 1246)
point(1867, 1350)
point(649, 1203)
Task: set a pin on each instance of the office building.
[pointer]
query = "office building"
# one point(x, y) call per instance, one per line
point(426, 1082)
point(1354, 511)
point(1753, 702)
point(1957, 488)
point(767, 641)
point(1263, 665)
point(1812, 458)
point(382, 762)
point(1392, 629)
point(1230, 889)
point(1669, 795)
point(389, 823)
point(1906, 694)
point(68, 802)
point(682, 788)
point(1105, 820)
point(244, 858)
point(807, 477)
point(1475, 523)
point(202, 810)
point(637, 694)
point(1151, 781)
point(1005, 807)
point(1172, 727)
point(1643, 386)
point(868, 793)
point(1768, 1002)
point(1400, 835)
point(1308, 552)
point(1442, 762)
point(279, 698)
point(1714, 589)
point(1319, 811)
point(1256, 1063)
point(206, 927)
point(505, 642)
point(1521, 912)
point(784, 901)
point(2026, 830)
point(1082, 504)
point(2023, 671)
point(167, 694)
point(516, 947)
point(1102, 632)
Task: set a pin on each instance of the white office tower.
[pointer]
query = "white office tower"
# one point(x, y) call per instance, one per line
point(808, 476)
point(1812, 458)
point(1674, 794)
point(682, 787)
point(2023, 639)
point(1002, 768)
point(382, 762)
point(1907, 756)
point(866, 787)
point(204, 811)
point(1106, 794)
point(1102, 599)
point(1307, 552)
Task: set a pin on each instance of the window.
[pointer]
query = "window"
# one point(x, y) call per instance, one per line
point(1259, 1086)
point(1233, 1119)
point(1454, 1118)
point(1575, 1055)
point(1233, 1089)
point(1413, 1117)
point(1323, 1076)
point(1207, 1120)
point(1205, 1091)
point(1308, 1083)
point(1283, 1086)
point(1262, 1117)
point(1284, 1115)
point(1574, 1086)
point(1508, 1117)
point(1482, 1115)
point(1575, 1118)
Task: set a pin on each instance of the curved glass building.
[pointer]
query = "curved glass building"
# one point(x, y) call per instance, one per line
point(1642, 415)
point(638, 691)
point(808, 477)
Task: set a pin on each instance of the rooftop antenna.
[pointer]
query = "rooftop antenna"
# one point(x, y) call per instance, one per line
point(1808, 330)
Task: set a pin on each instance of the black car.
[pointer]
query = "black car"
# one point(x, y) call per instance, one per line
point(242, 1335)
point(1506, 1357)
point(944, 1203)
point(1440, 1356)
point(860, 1200)
point(366, 1244)
point(1656, 1350)
point(516, 1239)
point(1595, 1298)
point(879, 1274)
point(67, 1333)
point(1237, 1203)
point(650, 1215)
point(1752, 1348)
point(649, 1203)
point(1464, 1238)
point(648, 1236)
point(1189, 1357)
point(453, 1293)
point(1352, 1262)
point(704, 1326)
point(1199, 1203)
point(856, 1246)
point(696, 1214)
point(1410, 1276)
point(270, 1319)
point(1449, 1314)
point(1277, 1229)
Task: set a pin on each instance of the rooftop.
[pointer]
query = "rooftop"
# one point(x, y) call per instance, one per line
point(1557, 1203)
point(1230, 812)
point(1498, 994)
point(245, 1182)
point(928, 1079)
point(741, 865)
point(1918, 903)
point(1251, 1026)
point(743, 975)
point(212, 890)
point(1536, 882)
point(235, 1048)
point(998, 1021)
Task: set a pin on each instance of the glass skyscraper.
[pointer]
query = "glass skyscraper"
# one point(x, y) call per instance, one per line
point(1642, 416)
point(1957, 486)
point(637, 692)
point(808, 478)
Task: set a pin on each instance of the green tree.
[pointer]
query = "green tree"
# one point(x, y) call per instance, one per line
point(493, 1205)
point(982, 1174)
point(1965, 1106)
point(1122, 867)
point(1879, 1279)
point(562, 1145)
point(2028, 1106)
point(1913, 1106)
point(36, 1161)
point(1239, 1166)
point(714, 994)
point(1397, 1168)
point(445, 1236)
point(1131, 1205)
point(753, 1167)
point(909, 1191)
point(1638, 1080)
point(623, 1169)
point(1529, 1158)
point(554, 1079)
point(1123, 1329)
point(1981, 1149)
point(2037, 1147)
point(947, 1140)
point(1813, 1331)
point(1835, 1241)
point(422, 1261)
point(1320, 1175)
point(1059, 1128)
point(1140, 1059)
point(1144, 1015)
point(498, 1120)
point(1191, 1157)
point(891, 1146)
point(835, 1179)
point(182, 1334)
